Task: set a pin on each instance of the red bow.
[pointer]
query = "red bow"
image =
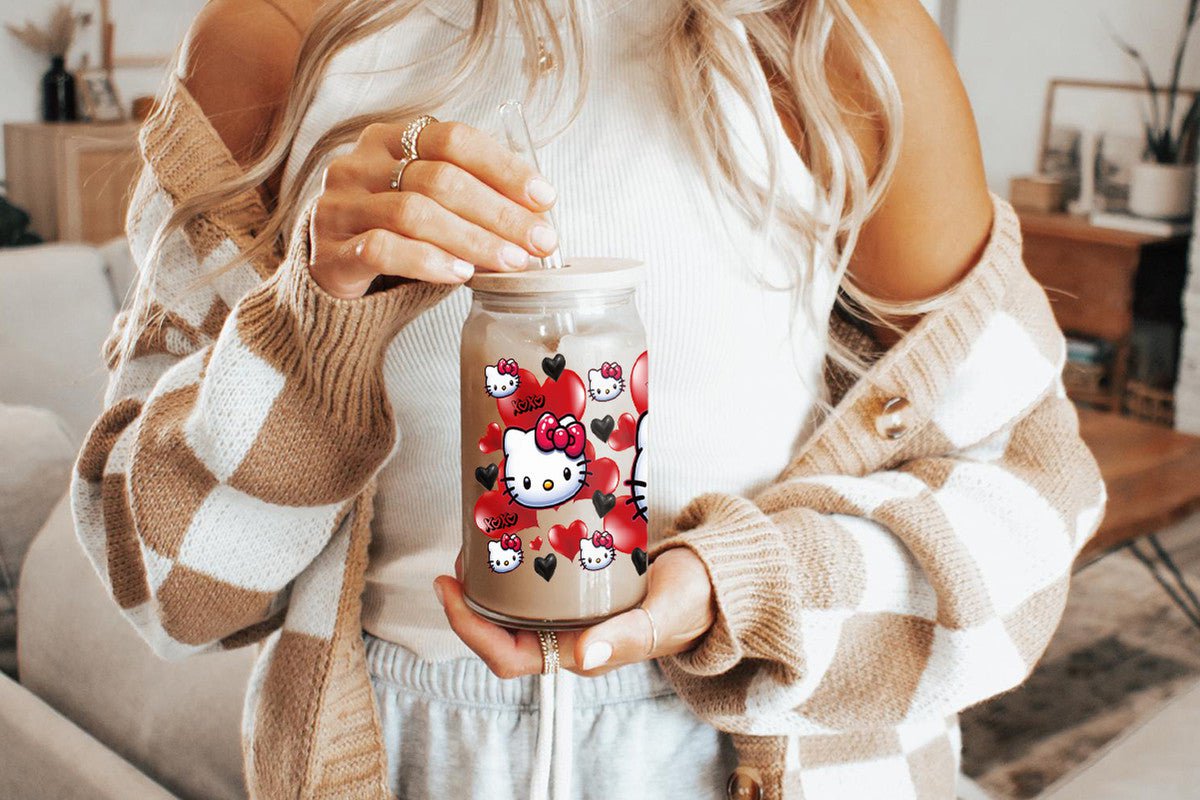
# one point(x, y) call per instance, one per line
point(506, 366)
point(612, 370)
point(549, 435)
point(602, 539)
point(510, 541)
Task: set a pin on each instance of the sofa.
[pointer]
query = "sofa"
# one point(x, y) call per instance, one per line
point(87, 710)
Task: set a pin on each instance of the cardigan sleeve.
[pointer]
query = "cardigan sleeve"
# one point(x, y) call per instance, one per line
point(848, 601)
point(236, 435)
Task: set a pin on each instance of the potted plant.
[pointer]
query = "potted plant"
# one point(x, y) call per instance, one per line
point(1163, 184)
point(58, 85)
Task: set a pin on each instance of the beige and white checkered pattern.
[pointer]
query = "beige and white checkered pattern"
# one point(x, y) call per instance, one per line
point(879, 586)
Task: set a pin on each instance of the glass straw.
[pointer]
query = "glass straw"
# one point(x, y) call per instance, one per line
point(516, 131)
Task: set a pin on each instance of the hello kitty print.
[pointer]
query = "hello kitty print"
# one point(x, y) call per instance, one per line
point(606, 383)
point(505, 554)
point(597, 552)
point(560, 447)
point(502, 379)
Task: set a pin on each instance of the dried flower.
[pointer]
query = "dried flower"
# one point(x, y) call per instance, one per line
point(55, 38)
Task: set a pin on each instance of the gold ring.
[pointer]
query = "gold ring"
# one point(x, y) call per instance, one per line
point(550, 660)
point(653, 629)
point(408, 139)
point(398, 173)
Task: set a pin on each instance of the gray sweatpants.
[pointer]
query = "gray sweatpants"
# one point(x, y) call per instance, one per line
point(452, 729)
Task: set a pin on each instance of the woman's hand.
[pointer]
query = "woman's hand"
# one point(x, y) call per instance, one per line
point(467, 202)
point(679, 597)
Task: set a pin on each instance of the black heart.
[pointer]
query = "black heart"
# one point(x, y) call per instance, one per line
point(545, 566)
point(554, 366)
point(603, 428)
point(487, 476)
point(603, 502)
point(639, 560)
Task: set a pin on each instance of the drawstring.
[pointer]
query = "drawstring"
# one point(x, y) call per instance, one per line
point(554, 753)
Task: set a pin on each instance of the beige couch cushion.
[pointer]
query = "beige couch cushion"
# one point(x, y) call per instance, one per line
point(43, 755)
point(55, 310)
point(176, 721)
point(35, 461)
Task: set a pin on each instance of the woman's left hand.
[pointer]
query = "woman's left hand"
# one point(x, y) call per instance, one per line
point(679, 597)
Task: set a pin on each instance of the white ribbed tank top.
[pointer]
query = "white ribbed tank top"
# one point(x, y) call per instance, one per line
point(732, 381)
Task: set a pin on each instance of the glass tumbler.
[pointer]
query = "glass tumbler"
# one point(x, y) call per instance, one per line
point(554, 413)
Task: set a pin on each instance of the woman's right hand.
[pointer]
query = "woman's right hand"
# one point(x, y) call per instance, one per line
point(468, 202)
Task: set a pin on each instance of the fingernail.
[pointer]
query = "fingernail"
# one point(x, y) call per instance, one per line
point(596, 655)
point(543, 238)
point(513, 256)
point(437, 590)
point(540, 191)
point(461, 269)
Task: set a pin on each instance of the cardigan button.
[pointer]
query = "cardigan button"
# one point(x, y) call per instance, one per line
point(894, 420)
point(743, 786)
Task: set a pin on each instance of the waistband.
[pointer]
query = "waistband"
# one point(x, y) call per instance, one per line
point(469, 681)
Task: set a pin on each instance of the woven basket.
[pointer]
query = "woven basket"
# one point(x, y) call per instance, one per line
point(1082, 379)
point(1148, 404)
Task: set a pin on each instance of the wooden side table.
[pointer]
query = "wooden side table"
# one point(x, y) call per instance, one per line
point(1099, 279)
point(74, 178)
point(1150, 473)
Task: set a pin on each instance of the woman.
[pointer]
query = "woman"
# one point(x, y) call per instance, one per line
point(852, 544)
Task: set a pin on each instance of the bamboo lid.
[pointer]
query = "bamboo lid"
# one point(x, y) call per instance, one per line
point(578, 274)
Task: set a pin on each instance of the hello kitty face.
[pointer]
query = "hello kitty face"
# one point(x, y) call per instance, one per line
point(637, 479)
point(502, 379)
point(504, 554)
point(546, 465)
point(605, 383)
point(596, 552)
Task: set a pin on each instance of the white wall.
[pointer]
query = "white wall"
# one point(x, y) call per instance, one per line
point(1008, 51)
point(142, 27)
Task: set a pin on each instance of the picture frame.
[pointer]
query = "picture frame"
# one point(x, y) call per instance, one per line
point(98, 97)
point(1110, 111)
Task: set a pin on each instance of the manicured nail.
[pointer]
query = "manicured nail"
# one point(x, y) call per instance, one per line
point(437, 590)
point(540, 191)
point(461, 269)
point(513, 256)
point(596, 655)
point(543, 238)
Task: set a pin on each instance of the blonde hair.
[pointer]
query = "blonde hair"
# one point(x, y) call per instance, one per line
point(702, 47)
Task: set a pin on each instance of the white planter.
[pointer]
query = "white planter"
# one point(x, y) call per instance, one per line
point(1162, 191)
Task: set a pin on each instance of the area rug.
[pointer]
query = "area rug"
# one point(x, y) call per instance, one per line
point(1122, 650)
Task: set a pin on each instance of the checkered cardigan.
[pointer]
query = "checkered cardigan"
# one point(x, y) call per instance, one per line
point(908, 563)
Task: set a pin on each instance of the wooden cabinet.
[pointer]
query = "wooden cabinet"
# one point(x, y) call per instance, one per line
point(1099, 279)
point(74, 179)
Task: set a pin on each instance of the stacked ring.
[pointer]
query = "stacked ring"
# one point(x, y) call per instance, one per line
point(408, 139)
point(550, 659)
point(398, 173)
point(653, 629)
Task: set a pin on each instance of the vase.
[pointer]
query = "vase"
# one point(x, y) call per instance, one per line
point(58, 93)
point(1162, 191)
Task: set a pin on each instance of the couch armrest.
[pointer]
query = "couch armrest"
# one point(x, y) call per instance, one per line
point(43, 754)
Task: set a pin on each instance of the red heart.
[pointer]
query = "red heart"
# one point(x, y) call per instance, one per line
point(492, 440)
point(628, 531)
point(566, 540)
point(564, 396)
point(625, 435)
point(496, 514)
point(535, 543)
point(604, 478)
point(638, 383)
